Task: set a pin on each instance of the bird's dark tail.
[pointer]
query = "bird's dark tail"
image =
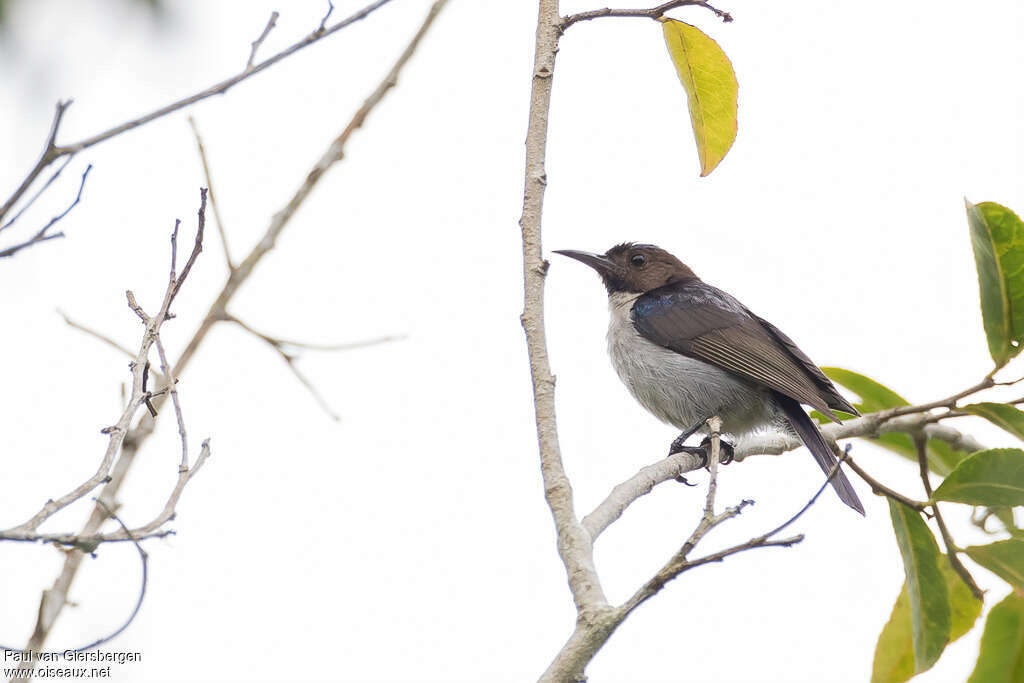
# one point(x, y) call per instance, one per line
point(819, 448)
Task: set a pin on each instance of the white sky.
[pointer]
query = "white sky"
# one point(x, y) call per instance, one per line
point(410, 541)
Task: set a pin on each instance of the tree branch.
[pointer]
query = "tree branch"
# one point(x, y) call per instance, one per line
point(28, 664)
point(56, 597)
point(271, 23)
point(52, 151)
point(53, 600)
point(921, 445)
point(42, 234)
point(880, 489)
point(221, 230)
point(574, 544)
point(651, 13)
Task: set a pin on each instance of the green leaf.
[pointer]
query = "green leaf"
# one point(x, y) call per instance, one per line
point(1001, 415)
point(1001, 659)
point(873, 396)
point(842, 415)
point(894, 653)
point(1003, 558)
point(710, 83)
point(926, 587)
point(994, 477)
point(942, 458)
point(997, 235)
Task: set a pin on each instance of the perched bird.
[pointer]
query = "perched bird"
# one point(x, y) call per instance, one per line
point(688, 351)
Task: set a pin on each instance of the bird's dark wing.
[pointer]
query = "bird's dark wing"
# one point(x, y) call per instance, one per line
point(828, 390)
point(703, 322)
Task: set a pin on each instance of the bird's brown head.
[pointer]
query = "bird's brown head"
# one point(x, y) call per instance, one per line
point(635, 268)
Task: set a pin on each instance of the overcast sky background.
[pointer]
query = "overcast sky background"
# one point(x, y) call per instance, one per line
point(410, 540)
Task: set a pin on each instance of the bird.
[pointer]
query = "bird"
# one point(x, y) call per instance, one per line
point(688, 351)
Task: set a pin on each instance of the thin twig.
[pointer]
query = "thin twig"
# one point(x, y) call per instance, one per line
point(145, 427)
point(42, 234)
point(344, 346)
point(138, 603)
point(948, 402)
point(93, 333)
point(221, 230)
point(140, 396)
point(921, 445)
point(650, 13)
point(271, 23)
point(52, 152)
point(880, 489)
point(172, 385)
point(27, 205)
point(323, 22)
point(680, 563)
point(279, 345)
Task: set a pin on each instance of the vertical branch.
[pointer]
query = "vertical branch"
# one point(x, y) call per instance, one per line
point(921, 444)
point(574, 544)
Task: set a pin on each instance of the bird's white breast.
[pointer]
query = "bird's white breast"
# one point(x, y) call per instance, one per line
point(677, 389)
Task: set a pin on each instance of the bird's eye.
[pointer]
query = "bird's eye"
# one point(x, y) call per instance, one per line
point(638, 260)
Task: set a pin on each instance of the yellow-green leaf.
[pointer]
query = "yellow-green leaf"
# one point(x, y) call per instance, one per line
point(1003, 558)
point(926, 587)
point(997, 235)
point(1001, 659)
point(711, 88)
point(894, 653)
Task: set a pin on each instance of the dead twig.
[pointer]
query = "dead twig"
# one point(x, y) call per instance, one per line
point(43, 234)
point(221, 230)
point(144, 428)
point(131, 617)
point(650, 13)
point(271, 23)
point(52, 151)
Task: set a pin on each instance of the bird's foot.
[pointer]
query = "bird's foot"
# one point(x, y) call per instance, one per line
point(726, 452)
point(677, 444)
point(692, 450)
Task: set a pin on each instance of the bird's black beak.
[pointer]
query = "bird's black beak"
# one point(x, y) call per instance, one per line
point(602, 264)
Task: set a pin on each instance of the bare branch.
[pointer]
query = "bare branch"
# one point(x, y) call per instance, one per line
point(221, 230)
point(323, 22)
point(279, 343)
point(43, 234)
point(93, 333)
point(644, 481)
point(271, 23)
point(574, 543)
point(280, 346)
point(680, 562)
point(27, 664)
point(655, 13)
point(52, 152)
point(172, 385)
point(921, 446)
point(27, 205)
point(637, 486)
point(139, 396)
point(880, 489)
point(56, 596)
